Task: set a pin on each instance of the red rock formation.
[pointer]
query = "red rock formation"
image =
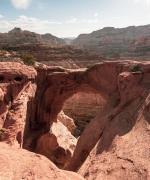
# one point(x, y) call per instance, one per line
point(129, 90)
point(20, 164)
point(67, 121)
point(83, 107)
point(17, 86)
point(122, 150)
point(120, 131)
point(58, 144)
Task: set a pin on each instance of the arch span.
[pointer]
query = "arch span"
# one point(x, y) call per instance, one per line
point(61, 84)
point(56, 85)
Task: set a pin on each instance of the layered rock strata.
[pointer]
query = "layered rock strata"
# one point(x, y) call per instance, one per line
point(132, 42)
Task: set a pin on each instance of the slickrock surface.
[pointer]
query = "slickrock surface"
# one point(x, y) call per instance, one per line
point(115, 144)
point(123, 150)
point(19, 164)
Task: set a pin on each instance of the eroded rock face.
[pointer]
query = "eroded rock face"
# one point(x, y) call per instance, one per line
point(131, 42)
point(120, 130)
point(20, 164)
point(17, 88)
point(82, 107)
point(123, 149)
point(58, 144)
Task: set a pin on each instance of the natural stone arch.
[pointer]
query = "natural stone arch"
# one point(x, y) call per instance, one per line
point(115, 81)
point(55, 85)
point(118, 82)
point(60, 84)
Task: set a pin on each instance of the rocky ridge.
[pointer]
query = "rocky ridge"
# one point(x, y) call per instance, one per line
point(65, 56)
point(19, 37)
point(132, 42)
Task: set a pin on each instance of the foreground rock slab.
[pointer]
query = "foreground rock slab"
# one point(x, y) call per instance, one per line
point(123, 150)
point(17, 164)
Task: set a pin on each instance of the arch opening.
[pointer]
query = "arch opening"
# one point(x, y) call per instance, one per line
point(82, 107)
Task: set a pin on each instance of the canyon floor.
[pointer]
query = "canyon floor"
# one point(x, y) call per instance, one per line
point(41, 139)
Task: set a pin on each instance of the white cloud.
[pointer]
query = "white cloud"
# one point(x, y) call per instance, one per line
point(21, 4)
point(72, 20)
point(28, 23)
point(147, 2)
point(1, 16)
point(82, 21)
point(70, 27)
point(96, 14)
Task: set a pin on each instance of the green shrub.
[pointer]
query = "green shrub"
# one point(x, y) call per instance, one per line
point(136, 68)
point(2, 132)
point(28, 59)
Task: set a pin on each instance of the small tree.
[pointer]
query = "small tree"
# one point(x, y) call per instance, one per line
point(136, 68)
point(28, 59)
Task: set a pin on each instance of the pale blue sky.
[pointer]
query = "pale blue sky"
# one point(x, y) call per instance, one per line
point(67, 18)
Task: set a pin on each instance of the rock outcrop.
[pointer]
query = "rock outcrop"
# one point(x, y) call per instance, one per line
point(67, 121)
point(20, 164)
point(17, 88)
point(7, 56)
point(122, 151)
point(58, 144)
point(131, 42)
point(114, 144)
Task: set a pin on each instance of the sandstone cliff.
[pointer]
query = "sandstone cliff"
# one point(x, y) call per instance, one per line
point(131, 42)
point(17, 37)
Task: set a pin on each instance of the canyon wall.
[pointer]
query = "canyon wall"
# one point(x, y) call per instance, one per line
point(131, 42)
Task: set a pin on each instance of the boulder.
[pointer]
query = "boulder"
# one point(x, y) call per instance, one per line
point(67, 121)
point(58, 144)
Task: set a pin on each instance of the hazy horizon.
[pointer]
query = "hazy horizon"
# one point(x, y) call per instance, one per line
point(69, 18)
